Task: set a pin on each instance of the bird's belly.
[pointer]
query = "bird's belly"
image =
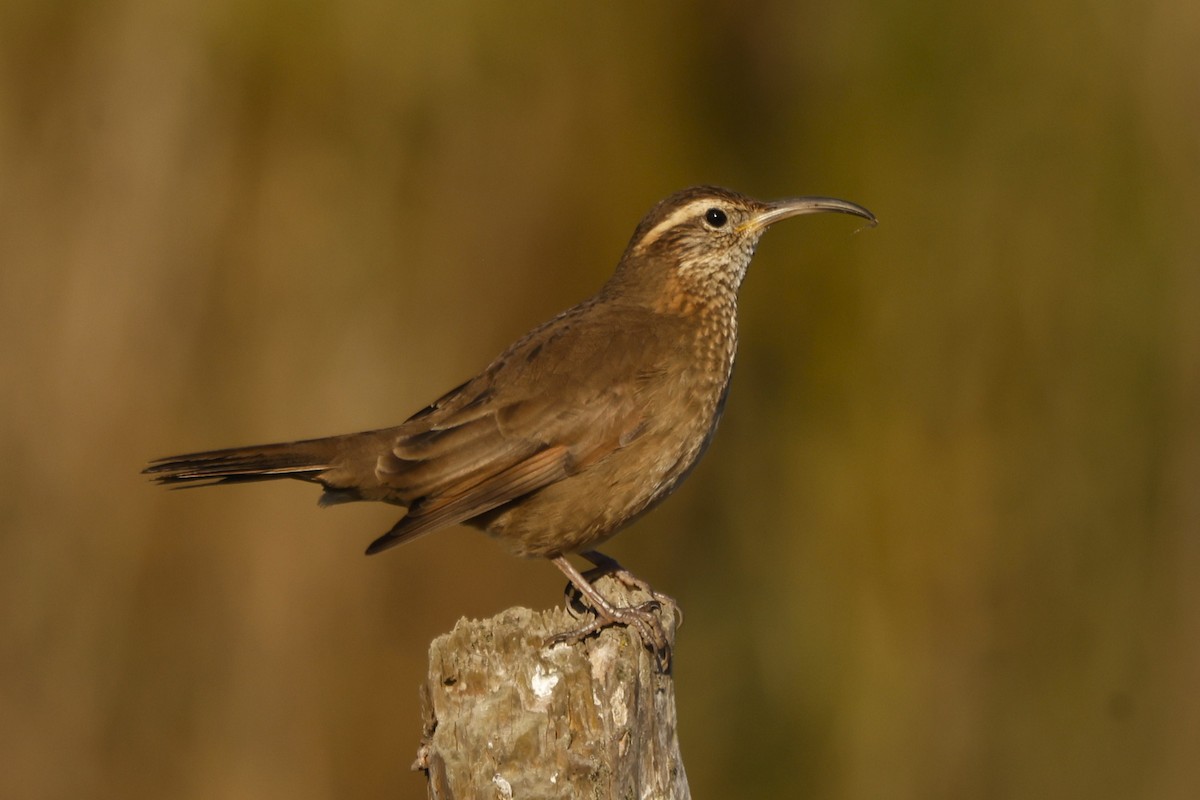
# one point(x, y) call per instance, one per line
point(587, 508)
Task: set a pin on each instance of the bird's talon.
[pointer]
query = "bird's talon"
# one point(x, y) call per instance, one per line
point(640, 618)
point(648, 607)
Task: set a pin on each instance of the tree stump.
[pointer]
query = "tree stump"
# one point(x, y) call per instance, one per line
point(508, 717)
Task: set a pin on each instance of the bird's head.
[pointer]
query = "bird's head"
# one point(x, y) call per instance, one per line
point(699, 241)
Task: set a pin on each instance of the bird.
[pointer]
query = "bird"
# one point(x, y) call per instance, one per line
point(578, 428)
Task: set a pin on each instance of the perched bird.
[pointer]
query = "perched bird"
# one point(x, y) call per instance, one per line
point(578, 428)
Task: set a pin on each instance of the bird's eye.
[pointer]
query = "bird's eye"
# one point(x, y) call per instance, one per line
point(715, 217)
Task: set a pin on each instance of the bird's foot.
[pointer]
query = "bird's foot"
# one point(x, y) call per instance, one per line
point(607, 565)
point(643, 618)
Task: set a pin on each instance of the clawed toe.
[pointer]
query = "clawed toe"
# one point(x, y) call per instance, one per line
point(643, 617)
point(607, 565)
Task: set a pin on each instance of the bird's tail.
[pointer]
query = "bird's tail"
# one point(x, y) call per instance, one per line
point(305, 460)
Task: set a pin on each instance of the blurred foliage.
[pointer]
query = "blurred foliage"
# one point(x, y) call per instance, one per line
point(944, 546)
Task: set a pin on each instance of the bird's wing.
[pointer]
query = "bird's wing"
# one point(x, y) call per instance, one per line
point(541, 413)
point(453, 474)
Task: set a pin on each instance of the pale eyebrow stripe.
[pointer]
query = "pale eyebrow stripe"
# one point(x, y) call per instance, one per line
point(677, 216)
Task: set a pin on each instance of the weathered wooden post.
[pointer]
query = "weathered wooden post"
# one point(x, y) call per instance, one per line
point(507, 717)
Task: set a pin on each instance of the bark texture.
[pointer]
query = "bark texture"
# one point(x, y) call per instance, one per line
point(508, 717)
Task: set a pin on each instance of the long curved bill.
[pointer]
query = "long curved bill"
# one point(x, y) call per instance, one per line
point(795, 206)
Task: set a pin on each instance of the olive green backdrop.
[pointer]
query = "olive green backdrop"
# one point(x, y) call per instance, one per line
point(946, 543)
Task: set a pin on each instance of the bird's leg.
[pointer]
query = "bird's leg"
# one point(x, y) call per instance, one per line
point(641, 617)
point(607, 565)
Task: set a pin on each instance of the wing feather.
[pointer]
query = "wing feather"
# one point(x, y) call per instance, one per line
point(545, 409)
point(541, 469)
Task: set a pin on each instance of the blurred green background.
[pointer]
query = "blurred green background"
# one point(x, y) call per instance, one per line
point(945, 544)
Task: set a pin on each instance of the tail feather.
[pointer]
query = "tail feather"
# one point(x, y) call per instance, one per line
point(304, 460)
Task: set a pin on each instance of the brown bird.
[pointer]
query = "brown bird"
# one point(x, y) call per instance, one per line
point(580, 426)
